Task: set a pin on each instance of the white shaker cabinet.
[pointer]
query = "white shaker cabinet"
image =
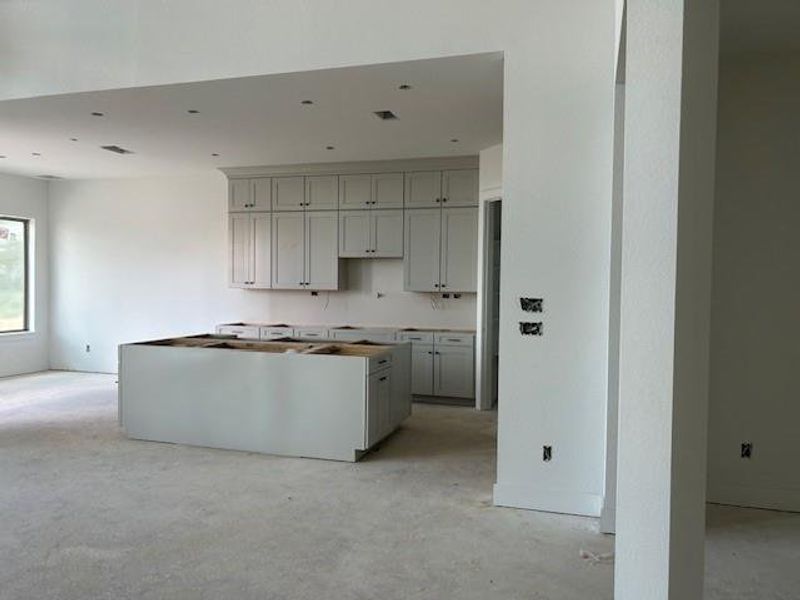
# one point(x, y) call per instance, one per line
point(288, 250)
point(459, 258)
point(288, 193)
point(387, 190)
point(321, 250)
point(422, 369)
point(305, 250)
point(250, 250)
point(371, 233)
point(355, 191)
point(460, 187)
point(322, 192)
point(245, 195)
point(454, 371)
point(379, 405)
point(423, 189)
point(423, 230)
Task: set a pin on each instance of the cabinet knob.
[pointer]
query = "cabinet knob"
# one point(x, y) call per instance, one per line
point(444, 286)
point(438, 200)
point(444, 199)
point(436, 285)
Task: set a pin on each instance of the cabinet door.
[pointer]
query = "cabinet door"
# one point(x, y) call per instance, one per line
point(355, 238)
point(459, 268)
point(288, 250)
point(422, 369)
point(239, 191)
point(262, 250)
point(387, 190)
point(423, 230)
point(240, 240)
point(386, 233)
point(261, 190)
point(288, 193)
point(355, 191)
point(423, 189)
point(379, 404)
point(322, 250)
point(322, 192)
point(453, 371)
point(460, 188)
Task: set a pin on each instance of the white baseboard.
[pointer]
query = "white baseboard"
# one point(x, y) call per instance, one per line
point(557, 501)
point(755, 497)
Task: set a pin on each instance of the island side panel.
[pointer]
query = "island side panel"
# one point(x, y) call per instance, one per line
point(288, 404)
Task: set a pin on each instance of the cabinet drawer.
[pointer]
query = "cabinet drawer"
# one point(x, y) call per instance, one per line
point(240, 331)
point(382, 361)
point(311, 332)
point(416, 337)
point(454, 339)
point(270, 333)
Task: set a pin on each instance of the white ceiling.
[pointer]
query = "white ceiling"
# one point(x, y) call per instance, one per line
point(759, 26)
point(260, 120)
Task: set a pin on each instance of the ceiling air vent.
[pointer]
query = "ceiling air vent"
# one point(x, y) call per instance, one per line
point(385, 115)
point(49, 177)
point(117, 149)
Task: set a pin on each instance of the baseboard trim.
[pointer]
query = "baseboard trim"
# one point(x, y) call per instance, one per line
point(755, 497)
point(555, 501)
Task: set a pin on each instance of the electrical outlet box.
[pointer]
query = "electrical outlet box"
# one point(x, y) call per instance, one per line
point(534, 305)
point(547, 453)
point(531, 328)
point(747, 450)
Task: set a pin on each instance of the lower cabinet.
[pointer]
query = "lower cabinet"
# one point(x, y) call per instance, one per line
point(422, 369)
point(379, 405)
point(453, 371)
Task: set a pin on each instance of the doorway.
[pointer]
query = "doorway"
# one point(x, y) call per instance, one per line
point(489, 306)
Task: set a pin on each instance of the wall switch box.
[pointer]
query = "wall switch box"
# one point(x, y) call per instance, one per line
point(534, 305)
point(530, 328)
point(547, 453)
point(747, 450)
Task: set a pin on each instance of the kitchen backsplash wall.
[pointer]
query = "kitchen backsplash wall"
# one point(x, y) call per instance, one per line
point(144, 258)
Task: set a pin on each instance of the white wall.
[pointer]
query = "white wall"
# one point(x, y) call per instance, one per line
point(670, 133)
point(140, 258)
point(755, 344)
point(558, 108)
point(27, 352)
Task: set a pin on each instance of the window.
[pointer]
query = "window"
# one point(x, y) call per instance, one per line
point(13, 275)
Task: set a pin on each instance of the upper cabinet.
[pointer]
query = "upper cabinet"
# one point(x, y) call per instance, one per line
point(322, 192)
point(288, 193)
point(371, 233)
point(441, 250)
point(429, 189)
point(245, 195)
point(380, 190)
point(305, 250)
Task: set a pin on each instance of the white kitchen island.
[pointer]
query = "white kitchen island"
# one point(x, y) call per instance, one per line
point(290, 397)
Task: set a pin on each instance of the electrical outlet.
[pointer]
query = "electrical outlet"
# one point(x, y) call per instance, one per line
point(747, 450)
point(88, 348)
point(315, 293)
point(547, 453)
point(445, 295)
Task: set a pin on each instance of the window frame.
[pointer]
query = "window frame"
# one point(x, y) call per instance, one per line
point(26, 324)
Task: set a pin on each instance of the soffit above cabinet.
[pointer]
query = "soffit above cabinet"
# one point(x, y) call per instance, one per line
point(363, 167)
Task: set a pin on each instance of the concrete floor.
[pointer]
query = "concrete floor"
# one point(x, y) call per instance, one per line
point(89, 514)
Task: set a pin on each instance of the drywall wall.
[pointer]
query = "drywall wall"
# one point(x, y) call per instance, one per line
point(557, 147)
point(756, 292)
point(138, 258)
point(670, 133)
point(27, 352)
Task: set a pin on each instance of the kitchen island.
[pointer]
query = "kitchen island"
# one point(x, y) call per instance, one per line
point(291, 397)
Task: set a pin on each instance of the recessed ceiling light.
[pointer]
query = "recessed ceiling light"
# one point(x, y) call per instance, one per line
point(73, 139)
point(306, 102)
point(35, 154)
point(214, 154)
point(329, 147)
point(404, 86)
point(193, 111)
point(98, 114)
point(3, 156)
point(454, 140)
